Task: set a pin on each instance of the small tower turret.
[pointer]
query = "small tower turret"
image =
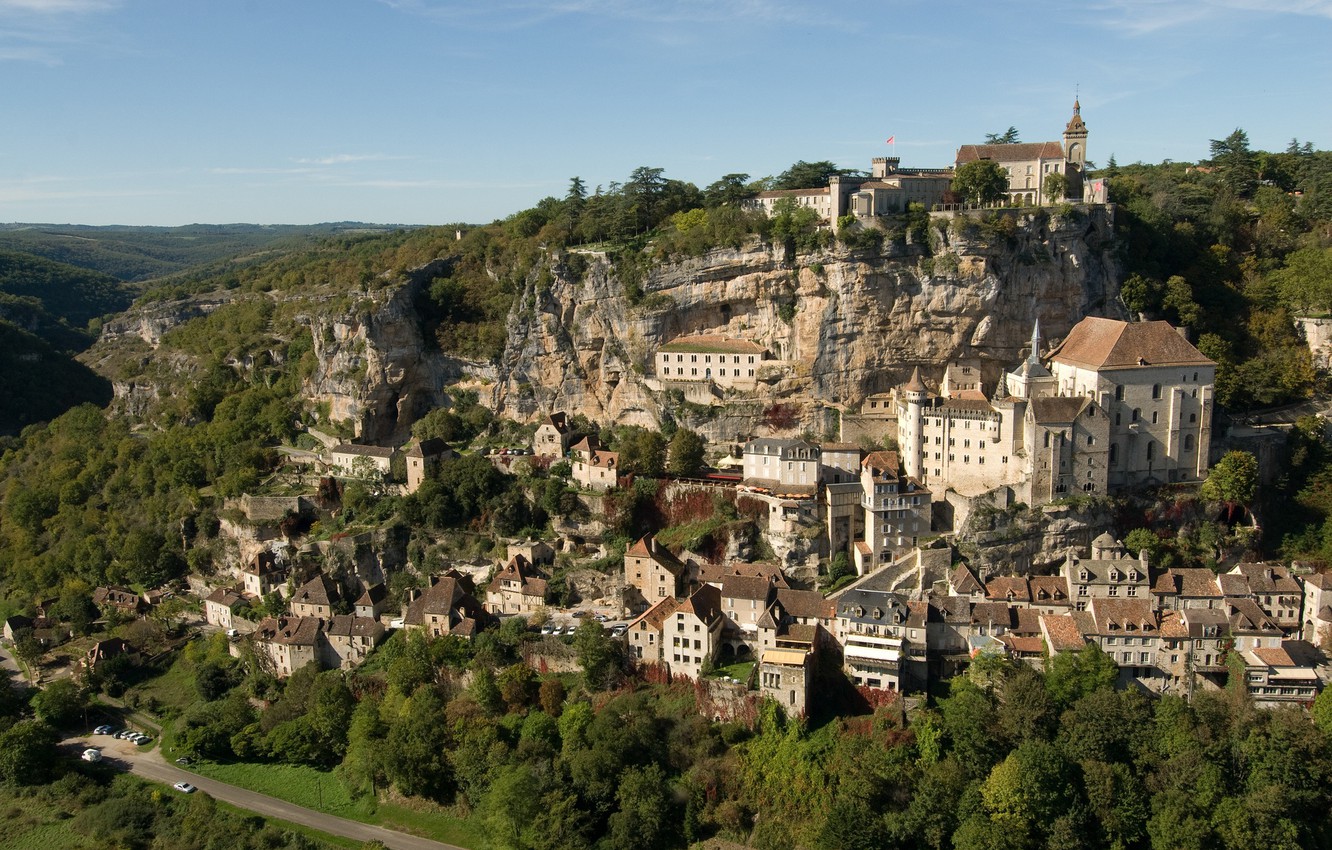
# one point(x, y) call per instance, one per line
point(910, 428)
point(1075, 138)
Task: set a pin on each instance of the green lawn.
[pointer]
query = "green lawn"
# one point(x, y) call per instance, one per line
point(740, 670)
point(315, 789)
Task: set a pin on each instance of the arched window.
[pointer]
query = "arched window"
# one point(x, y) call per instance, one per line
point(1114, 453)
point(1151, 450)
point(1193, 417)
point(1136, 413)
point(1119, 393)
point(1154, 414)
point(1188, 442)
point(1156, 390)
point(1090, 440)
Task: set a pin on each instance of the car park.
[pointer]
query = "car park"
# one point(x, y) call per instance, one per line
point(184, 787)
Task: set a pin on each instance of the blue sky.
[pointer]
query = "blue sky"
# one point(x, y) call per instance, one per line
point(434, 111)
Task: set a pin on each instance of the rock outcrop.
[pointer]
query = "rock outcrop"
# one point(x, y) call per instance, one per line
point(861, 319)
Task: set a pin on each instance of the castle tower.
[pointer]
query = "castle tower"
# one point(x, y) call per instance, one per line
point(1031, 379)
point(1075, 138)
point(910, 428)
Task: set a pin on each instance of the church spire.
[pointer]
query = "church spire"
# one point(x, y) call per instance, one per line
point(1035, 356)
point(1075, 124)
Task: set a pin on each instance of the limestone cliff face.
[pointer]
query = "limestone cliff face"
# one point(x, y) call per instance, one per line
point(861, 320)
point(840, 324)
point(375, 369)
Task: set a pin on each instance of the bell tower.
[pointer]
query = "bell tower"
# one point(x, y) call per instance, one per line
point(1075, 138)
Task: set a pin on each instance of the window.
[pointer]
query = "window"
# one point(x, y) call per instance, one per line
point(1156, 390)
point(1119, 393)
point(1188, 442)
point(1151, 450)
point(1136, 414)
point(1154, 415)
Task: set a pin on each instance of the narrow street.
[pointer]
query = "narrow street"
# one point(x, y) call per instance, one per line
point(151, 765)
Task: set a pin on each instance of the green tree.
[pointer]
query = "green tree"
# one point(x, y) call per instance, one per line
point(1234, 480)
point(810, 175)
point(1236, 164)
point(61, 703)
point(686, 453)
point(1007, 137)
point(1055, 187)
point(730, 190)
point(27, 753)
point(600, 656)
point(1073, 675)
point(981, 181)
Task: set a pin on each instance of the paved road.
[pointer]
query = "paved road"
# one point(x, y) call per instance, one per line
point(151, 765)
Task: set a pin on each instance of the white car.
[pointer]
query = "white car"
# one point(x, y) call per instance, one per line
point(92, 754)
point(184, 787)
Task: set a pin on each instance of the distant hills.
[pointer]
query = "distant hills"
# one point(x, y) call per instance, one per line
point(141, 253)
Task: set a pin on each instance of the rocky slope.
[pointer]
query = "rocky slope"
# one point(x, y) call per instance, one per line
point(861, 322)
point(576, 342)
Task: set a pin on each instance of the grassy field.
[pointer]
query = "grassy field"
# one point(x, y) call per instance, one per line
point(315, 789)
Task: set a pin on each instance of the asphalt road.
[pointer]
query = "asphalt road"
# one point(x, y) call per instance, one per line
point(151, 765)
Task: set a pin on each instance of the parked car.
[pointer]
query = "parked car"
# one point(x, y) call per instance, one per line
point(184, 787)
point(549, 629)
point(601, 618)
point(123, 734)
point(104, 730)
point(183, 761)
point(580, 614)
point(619, 630)
point(144, 740)
point(92, 754)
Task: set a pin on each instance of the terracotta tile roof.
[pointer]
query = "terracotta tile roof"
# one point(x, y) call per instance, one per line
point(716, 573)
point(432, 447)
point(372, 595)
point(791, 193)
point(1112, 344)
point(805, 604)
point(1010, 153)
point(1173, 625)
point(1062, 632)
point(986, 613)
point(1118, 615)
point(1193, 582)
point(1024, 645)
point(1057, 409)
point(1027, 621)
point(117, 597)
point(227, 596)
point(704, 604)
point(920, 614)
point(588, 444)
point(1007, 589)
point(711, 344)
point(1266, 578)
point(320, 590)
point(657, 614)
point(1048, 590)
point(746, 587)
point(363, 451)
point(963, 581)
point(1274, 656)
point(347, 625)
point(289, 631)
point(886, 463)
point(1246, 616)
point(1322, 581)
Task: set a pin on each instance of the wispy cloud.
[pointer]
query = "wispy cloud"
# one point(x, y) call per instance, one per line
point(42, 31)
point(1145, 17)
point(56, 7)
point(515, 14)
point(344, 158)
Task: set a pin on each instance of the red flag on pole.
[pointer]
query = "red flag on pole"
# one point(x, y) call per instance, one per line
point(890, 139)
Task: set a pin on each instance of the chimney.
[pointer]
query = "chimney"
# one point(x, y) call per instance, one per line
point(1183, 331)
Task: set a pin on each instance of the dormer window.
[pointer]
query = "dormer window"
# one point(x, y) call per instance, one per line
point(1116, 575)
point(1083, 576)
point(878, 613)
